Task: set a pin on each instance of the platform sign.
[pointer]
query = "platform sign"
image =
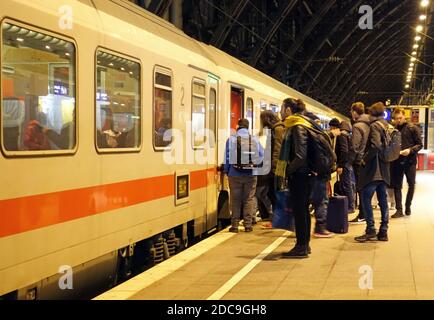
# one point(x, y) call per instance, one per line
point(387, 114)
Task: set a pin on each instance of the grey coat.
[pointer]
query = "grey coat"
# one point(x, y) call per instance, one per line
point(373, 168)
point(360, 137)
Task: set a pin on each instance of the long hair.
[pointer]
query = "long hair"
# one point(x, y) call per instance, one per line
point(268, 119)
point(296, 105)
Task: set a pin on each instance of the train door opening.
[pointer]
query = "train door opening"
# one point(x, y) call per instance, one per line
point(237, 106)
point(212, 145)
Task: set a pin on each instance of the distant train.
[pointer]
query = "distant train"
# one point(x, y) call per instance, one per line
point(89, 92)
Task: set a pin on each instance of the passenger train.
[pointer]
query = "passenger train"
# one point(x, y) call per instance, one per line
point(91, 92)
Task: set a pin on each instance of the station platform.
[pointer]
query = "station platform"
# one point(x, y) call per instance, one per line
point(248, 266)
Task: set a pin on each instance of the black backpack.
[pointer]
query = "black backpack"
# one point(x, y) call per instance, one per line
point(247, 154)
point(321, 157)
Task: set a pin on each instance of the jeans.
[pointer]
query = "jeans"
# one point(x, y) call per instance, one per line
point(320, 199)
point(300, 186)
point(398, 172)
point(263, 202)
point(347, 186)
point(243, 190)
point(367, 193)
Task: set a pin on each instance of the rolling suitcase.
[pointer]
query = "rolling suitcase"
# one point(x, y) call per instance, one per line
point(337, 214)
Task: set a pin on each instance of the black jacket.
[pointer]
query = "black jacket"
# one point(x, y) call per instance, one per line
point(410, 139)
point(373, 168)
point(298, 152)
point(342, 150)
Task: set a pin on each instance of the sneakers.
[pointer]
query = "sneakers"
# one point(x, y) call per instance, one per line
point(323, 234)
point(408, 211)
point(298, 252)
point(233, 229)
point(267, 225)
point(248, 229)
point(398, 214)
point(366, 237)
point(358, 220)
point(382, 236)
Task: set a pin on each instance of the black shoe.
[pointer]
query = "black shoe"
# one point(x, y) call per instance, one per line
point(408, 211)
point(358, 220)
point(248, 229)
point(382, 236)
point(296, 253)
point(366, 237)
point(398, 214)
point(309, 250)
point(233, 229)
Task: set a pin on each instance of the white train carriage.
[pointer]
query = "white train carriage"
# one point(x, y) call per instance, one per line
point(89, 93)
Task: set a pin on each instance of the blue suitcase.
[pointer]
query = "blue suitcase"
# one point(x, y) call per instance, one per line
point(337, 214)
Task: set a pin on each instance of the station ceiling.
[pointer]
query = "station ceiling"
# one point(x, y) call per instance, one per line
point(327, 49)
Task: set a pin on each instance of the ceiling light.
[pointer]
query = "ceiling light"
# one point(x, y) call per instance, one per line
point(415, 46)
point(47, 47)
point(413, 53)
point(111, 64)
point(131, 72)
point(408, 80)
point(422, 17)
point(411, 64)
point(413, 59)
point(419, 28)
point(20, 39)
point(424, 3)
point(417, 38)
point(407, 86)
point(410, 69)
point(123, 69)
point(67, 54)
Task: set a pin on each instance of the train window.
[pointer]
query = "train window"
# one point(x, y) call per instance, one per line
point(162, 107)
point(212, 116)
point(249, 112)
point(118, 111)
point(198, 113)
point(38, 92)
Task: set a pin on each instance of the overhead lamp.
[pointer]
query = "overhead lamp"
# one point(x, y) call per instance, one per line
point(67, 54)
point(417, 38)
point(419, 28)
point(411, 64)
point(413, 53)
point(123, 69)
point(413, 59)
point(424, 3)
point(20, 39)
point(422, 17)
point(415, 46)
point(410, 69)
point(407, 86)
point(47, 47)
point(111, 64)
point(408, 80)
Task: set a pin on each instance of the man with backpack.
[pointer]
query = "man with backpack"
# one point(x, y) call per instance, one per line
point(243, 155)
point(374, 174)
point(306, 152)
point(344, 152)
point(406, 163)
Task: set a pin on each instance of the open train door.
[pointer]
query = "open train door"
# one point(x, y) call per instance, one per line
point(212, 145)
point(237, 106)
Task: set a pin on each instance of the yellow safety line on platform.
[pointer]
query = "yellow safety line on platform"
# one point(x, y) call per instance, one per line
point(134, 285)
point(232, 282)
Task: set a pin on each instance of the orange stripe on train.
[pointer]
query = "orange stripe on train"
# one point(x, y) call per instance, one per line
point(38, 211)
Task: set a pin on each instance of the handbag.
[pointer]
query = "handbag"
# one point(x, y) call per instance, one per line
point(283, 217)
